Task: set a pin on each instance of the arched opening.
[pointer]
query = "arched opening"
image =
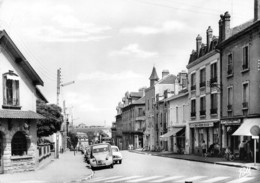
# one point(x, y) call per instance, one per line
point(2, 147)
point(19, 144)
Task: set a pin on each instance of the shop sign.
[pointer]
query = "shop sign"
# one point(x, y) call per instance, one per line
point(231, 122)
point(201, 125)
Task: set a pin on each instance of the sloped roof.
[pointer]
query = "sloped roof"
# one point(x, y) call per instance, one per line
point(18, 114)
point(154, 75)
point(169, 79)
point(136, 94)
point(20, 60)
point(140, 101)
point(40, 95)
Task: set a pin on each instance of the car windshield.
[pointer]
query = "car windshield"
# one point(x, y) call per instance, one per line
point(100, 149)
point(114, 149)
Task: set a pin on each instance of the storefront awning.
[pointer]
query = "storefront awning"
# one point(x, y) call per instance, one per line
point(170, 133)
point(244, 129)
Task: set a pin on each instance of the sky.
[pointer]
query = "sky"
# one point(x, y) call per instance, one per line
point(109, 47)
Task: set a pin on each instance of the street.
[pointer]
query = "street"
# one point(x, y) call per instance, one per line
point(147, 168)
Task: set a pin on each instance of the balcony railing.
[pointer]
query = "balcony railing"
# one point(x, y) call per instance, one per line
point(245, 105)
point(202, 84)
point(213, 111)
point(213, 80)
point(203, 113)
point(229, 107)
point(193, 87)
point(193, 114)
point(230, 71)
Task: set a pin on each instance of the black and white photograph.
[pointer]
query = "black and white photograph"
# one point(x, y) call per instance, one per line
point(129, 91)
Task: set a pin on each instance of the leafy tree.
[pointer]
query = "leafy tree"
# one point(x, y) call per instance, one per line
point(53, 119)
point(73, 139)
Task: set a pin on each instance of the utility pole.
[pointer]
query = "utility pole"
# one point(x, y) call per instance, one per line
point(58, 96)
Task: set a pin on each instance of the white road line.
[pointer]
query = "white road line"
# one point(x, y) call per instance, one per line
point(125, 178)
point(167, 179)
point(144, 179)
point(216, 179)
point(103, 179)
point(243, 179)
point(191, 179)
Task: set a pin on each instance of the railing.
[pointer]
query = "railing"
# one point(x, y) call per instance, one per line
point(213, 111)
point(202, 84)
point(229, 107)
point(245, 104)
point(44, 151)
point(193, 114)
point(193, 87)
point(213, 80)
point(230, 71)
point(203, 113)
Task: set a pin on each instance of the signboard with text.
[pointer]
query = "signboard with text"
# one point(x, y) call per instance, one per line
point(201, 125)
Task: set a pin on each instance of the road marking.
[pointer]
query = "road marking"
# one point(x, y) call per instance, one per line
point(103, 179)
point(191, 179)
point(125, 178)
point(144, 179)
point(240, 180)
point(167, 179)
point(216, 179)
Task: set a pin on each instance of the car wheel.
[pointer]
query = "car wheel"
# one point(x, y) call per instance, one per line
point(92, 168)
point(120, 161)
point(112, 166)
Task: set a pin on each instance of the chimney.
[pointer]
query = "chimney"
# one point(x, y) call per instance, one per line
point(226, 26)
point(209, 37)
point(165, 73)
point(220, 24)
point(257, 10)
point(198, 43)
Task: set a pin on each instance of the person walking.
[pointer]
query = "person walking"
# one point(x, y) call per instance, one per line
point(242, 150)
point(204, 148)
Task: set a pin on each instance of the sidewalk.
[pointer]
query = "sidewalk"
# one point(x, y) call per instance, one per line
point(212, 160)
point(68, 168)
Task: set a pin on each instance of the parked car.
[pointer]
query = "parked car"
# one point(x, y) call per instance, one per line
point(117, 156)
point(101, 156)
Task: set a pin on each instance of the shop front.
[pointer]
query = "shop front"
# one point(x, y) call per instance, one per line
point(204, 131)
point(229, 126)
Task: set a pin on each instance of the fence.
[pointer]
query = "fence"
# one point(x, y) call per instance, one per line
point(44, 151)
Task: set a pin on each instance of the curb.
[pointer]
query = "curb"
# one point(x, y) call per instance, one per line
point(209, 162)
point(83, 179)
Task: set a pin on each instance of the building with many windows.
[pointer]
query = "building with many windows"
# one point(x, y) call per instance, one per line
point(18, 130)
point(204, 93)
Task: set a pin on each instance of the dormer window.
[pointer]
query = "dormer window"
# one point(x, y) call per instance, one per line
point(11, 97)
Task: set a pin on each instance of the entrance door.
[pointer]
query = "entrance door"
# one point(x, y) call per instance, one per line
point(1, 153)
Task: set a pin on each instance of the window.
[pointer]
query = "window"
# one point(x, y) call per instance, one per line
point(214, 103)
point(203, 77)
point(245, 58)
point(203, 106)
point(213, 73)
point(193, 81)
point(215, 135)
point(140, 112)
point(245, 95)
point(19, 144)
point(11, 89)
point(148, 105)
point(177, 116)
point(230, 65)
point(193, 108)
point(230, 98)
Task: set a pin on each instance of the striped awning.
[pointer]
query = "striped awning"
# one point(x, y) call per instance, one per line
point(18, 114)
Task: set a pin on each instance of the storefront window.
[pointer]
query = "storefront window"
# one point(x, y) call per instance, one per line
point(215, 135)
point(201, 137)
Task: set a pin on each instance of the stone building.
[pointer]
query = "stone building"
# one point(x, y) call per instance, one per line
point(18, 117)
point(240, 79)
point(204, 93)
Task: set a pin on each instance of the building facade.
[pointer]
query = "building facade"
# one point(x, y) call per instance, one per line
point(241, 79)
point(204, 93)
point(18, 130)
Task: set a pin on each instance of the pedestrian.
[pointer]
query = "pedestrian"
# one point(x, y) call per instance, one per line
point(204, 148)
point(242, 150)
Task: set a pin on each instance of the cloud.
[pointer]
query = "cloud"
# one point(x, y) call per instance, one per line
point(134, 49)
point(102, 76)
point(166, 27)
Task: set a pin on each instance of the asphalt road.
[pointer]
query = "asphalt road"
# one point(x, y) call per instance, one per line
point(146, 168)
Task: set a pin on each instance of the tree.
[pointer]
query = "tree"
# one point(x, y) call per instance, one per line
point(53, 119)
point(73, 139)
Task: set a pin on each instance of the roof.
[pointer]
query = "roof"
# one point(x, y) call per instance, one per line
point(169, 79)
point(19, 58)
point(140, 101)
point(40, 95)
point(177, 96)
point(154, 75)
point(136, 94)
point(18, 114)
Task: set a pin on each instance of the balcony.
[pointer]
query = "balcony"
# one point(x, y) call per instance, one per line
point(213, 80)
point(193, 87)
point(202, 84)
point(203, 113)
point(245, 105)
point(213, 111)
point(193, 114)
point(229, 107)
